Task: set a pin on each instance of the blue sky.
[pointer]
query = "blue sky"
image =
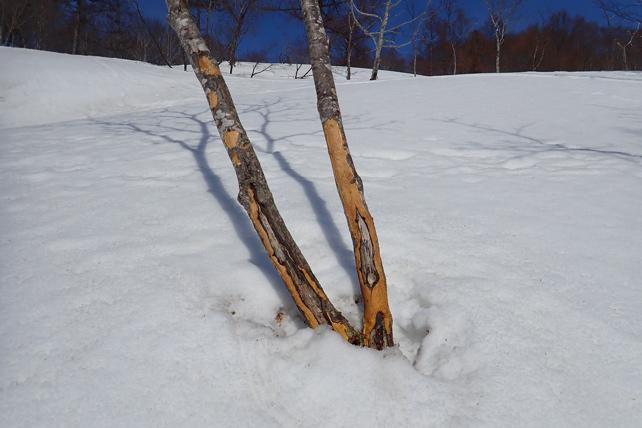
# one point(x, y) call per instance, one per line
point(271, 32)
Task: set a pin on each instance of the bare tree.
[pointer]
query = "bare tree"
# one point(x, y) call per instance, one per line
point(43, 14)
point(417, 37)
point(633, 34)
point(254, 193)
point(83, 13)
point(430, 35)
point(457, 26)
point(379, 30)
point(256, 70)
point(340, 23)
point(622, 10)
point(538, 51)
point(350, 44)
point(13, 16)
point(377, 319)
point(258, 58)
point(237, 11)
point(79, 23)
point(500, 13)
point(630, 10)
point(296, 54)
point(152, 36)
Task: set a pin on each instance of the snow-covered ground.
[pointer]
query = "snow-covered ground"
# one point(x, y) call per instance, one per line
point(133, 291)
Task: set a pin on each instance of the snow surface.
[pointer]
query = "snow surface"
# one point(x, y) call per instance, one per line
point(134, 292)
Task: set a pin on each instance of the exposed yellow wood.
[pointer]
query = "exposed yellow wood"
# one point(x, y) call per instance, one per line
point(231, 138)
point(207, 67)
point(375, 296)
point(289, 283)
point(212, 99)
point(338, 151)
point(342, 330)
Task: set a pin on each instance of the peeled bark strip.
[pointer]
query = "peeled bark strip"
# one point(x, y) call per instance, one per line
point(254, 193)
point(377, 319)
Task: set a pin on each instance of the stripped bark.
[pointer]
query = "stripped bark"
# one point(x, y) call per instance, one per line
point(254, 193)
point(377, 319)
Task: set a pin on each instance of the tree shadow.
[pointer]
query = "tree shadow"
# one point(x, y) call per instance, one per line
point(542, 146)
point(342, 253)
point(234, 211)
point(166, 123)
point(267, 111)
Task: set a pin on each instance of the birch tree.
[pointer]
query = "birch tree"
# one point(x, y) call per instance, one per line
point(377, 319)
point(457, 26)
point(500, 13)
point(254, 193)
point(628, 11)
point(626, 44)
point(416, 38)
point(379, 29)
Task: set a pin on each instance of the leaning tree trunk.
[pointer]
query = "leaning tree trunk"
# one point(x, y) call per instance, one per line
point(377, 319)
point(254, 194)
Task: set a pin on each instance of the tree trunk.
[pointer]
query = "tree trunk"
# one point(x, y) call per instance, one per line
point(454, 51)
point(498, 56)
point(380, 40)
point(231, 51)
point(77, 24)
point(254, 193)
point(414, 63)
point(377, 319)
point(351, 25)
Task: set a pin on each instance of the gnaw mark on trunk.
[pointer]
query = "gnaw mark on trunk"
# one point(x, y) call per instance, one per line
point(367, 253)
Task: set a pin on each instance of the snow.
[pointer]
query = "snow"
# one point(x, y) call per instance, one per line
point(134, 292)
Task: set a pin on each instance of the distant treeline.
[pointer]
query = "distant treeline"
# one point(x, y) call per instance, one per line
point(441, 45)
point(561, 42)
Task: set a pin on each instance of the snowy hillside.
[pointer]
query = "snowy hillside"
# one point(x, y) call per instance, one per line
point(133, 291)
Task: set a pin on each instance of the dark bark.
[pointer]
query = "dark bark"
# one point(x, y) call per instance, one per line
point(377, 319)
point(351, 26)
point(254, 193)
point(78, 24)
point(239, 16)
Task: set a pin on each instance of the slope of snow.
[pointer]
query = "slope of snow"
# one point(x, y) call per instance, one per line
point(54, 87)
point(133, 291)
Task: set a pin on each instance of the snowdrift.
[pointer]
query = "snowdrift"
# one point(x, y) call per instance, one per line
point(133, 291)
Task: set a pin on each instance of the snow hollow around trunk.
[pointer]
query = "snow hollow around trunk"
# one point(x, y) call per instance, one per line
point(134, 291)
